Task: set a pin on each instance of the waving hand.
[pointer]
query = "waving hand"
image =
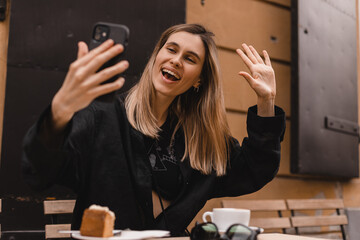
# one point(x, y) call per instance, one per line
point(261, 78)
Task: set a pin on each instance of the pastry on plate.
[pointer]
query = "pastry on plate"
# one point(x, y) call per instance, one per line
point(97, 221)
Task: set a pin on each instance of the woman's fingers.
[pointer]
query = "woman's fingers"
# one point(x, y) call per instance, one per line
point(261, 77)
point(243, 56)
point(110, 72)
point(92, 54)
point(107, 88)
point(82, 50)
point(267, 58)
point(256, 54)
point(82, 83)
point(102, 58)
point(249, 53)
point(247, 76)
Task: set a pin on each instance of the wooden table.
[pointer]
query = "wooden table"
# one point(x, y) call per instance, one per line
point(279, 236)
point(264, 236)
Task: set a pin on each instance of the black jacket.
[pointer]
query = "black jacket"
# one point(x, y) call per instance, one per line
point(103, 159)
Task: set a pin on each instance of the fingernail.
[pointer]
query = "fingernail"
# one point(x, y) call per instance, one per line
point(121, 80)
point(120, 47)
point(117, 47)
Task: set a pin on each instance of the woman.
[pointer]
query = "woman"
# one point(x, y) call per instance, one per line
point(157, 154)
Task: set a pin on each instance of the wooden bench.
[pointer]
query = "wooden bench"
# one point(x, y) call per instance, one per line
point(334, 217)
point(54, 208)
point(268, 223)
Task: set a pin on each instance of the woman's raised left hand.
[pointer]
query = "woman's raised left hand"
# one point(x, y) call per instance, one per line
point(261, 78)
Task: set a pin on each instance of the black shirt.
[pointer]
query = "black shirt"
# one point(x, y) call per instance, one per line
point(104, 160)
point(165, 165)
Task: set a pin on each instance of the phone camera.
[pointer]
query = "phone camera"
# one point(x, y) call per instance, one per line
point(101, 33)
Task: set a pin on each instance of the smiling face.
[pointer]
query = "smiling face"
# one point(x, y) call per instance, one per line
point(178, 64)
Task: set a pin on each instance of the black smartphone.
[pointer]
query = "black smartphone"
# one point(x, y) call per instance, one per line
point(119, 33)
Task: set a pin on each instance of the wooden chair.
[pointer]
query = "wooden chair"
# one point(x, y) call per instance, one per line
point(271, 207)
point(54, 208)
point(333, 216)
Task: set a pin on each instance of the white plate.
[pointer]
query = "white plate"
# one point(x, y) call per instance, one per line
point(77, 235)
point(127, 235)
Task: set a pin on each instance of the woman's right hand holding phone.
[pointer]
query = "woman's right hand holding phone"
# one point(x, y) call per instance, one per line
point(83, 84)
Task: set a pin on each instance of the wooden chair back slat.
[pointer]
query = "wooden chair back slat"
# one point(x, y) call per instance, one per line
point(55, 207)
point(262, 206)
point(305, 221)
point(256, 205)
point(317, 221)
point(52, 231)
point(271, 223)
point(311, 204)
point(59, 206)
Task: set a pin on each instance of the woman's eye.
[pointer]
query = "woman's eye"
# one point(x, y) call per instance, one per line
point(171, 50)
point(190, 59)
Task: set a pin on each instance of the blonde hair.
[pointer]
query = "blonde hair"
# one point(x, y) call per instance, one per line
point(201, 114)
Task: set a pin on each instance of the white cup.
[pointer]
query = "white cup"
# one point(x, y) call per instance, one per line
point(225, 217)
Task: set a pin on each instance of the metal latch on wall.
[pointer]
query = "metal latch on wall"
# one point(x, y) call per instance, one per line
point(2, 10)
point(341, 125)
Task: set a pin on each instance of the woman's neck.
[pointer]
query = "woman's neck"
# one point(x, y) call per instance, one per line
point(160, 106)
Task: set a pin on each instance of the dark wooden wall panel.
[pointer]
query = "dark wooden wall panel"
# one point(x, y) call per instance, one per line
point(324, 84)
point(42, 44)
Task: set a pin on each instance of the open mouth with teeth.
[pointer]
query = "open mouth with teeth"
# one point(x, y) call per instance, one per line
point(170, 75)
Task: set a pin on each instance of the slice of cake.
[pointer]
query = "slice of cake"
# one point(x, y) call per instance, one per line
point(97, 221)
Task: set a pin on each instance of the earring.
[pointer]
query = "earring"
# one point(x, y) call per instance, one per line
point(197, 86)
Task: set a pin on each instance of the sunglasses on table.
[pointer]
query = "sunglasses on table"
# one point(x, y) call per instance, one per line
point(209, 231)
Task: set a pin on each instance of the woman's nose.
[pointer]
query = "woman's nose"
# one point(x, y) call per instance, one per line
point(176, 61)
